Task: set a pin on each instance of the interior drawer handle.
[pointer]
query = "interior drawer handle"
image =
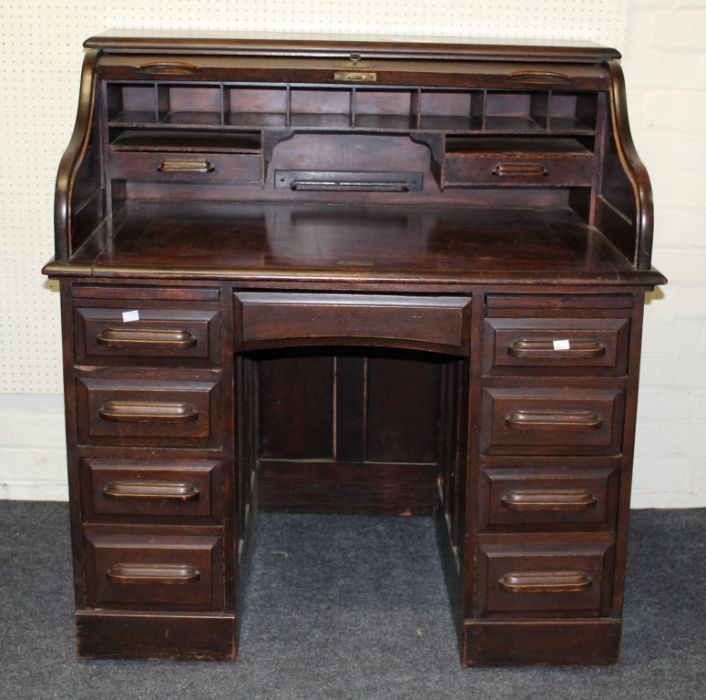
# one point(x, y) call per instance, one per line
point(542, 419)
point(169, 490)
point(145, 338)
point(520, 170)
point(348, 186)
point(152, 573)
point(548, 499)
point(136, 411)
point(545, 582)
point(186, 165)
point(540, 76)
point(168, 68)
point(538, 348)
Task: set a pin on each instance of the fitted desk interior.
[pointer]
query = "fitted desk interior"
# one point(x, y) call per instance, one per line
point(351, 277)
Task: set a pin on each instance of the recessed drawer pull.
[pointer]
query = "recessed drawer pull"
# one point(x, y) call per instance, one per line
point(183, 165)
point(543, 348)
point(541, 419)
point(540, 76)
point(545, 582)
point(520, 170)
point(137, 411)
point(153, 573)
point(546, 499)
point(145, 337)
point(170, 490)
point(168, 68)
point(348, 186)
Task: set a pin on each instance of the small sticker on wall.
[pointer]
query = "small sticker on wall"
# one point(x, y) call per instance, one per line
point(130, 316)
point(562, 344)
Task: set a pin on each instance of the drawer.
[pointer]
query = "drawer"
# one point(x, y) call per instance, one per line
point(513, 162)
point(132, 411)
point(165, 335)
point(267, 318)
point(564, 421)
point(184, 167)
point(154, 571)
point(122, 489)
point(530, 577)
point(597, 346)
point(548, 497)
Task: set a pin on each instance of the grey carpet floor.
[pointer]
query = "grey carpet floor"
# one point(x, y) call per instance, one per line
point(349, 607)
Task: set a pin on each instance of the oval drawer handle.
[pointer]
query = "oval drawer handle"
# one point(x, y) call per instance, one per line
point(170, 490)
point(540, 76)
point(146, 337)
point(520, 170)
point(542, 419)
point(539, 348)
point(168, 68)
point(129, 411)
point(547, 499)
point(545, 582)
point(130, 573)
point(186, 165)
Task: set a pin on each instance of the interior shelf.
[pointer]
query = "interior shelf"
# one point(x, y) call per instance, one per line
point(210, 142)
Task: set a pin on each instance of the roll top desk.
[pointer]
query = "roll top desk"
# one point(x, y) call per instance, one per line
point(349, 276)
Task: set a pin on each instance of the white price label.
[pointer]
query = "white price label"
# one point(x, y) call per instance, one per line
point(562, 344)
point(129, 316)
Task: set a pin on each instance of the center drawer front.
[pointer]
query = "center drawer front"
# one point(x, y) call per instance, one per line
point(551, 578)
point(548, 496)
point(143, 411)
point(154, 571)
point(167, 335)
point(555, 346)
point(267, 317)
point(154, 492)
point(566, 421)
point(184, 167)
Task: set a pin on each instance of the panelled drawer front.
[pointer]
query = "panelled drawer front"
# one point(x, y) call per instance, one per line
point(555, 346)
point(160, 334)
point(545, 578)
point(154, 571)
point(114, 411)
point(184, 167)
point(153, 492)
point(561, 421)
point(548, 497)
point(517, 169)
point(392, 320)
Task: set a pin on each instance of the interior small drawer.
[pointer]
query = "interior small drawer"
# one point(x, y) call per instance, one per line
point(597, 346)
point(497, 162)
point(132, 411)
point(168, 335)
point(267, 318)
point(184, 167)
point(155, 491)
point(548, 497)
point(567, 578)
point(562, 421)
point(175, 572)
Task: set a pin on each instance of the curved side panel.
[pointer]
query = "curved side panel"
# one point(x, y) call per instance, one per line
point(637, 185)
point(73, 158)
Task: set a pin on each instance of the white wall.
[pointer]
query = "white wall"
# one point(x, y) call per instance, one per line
point(664, 43)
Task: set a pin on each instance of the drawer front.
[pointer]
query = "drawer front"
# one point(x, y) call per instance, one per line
point(516, 169)
point(149, 571)
point(115, 411)
point(555, 346)
point(548, 497)
point(184, 167)
point(172, 336)
point(151, 492)
point(545, 578)
point(552, 421)
point(266, 318)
